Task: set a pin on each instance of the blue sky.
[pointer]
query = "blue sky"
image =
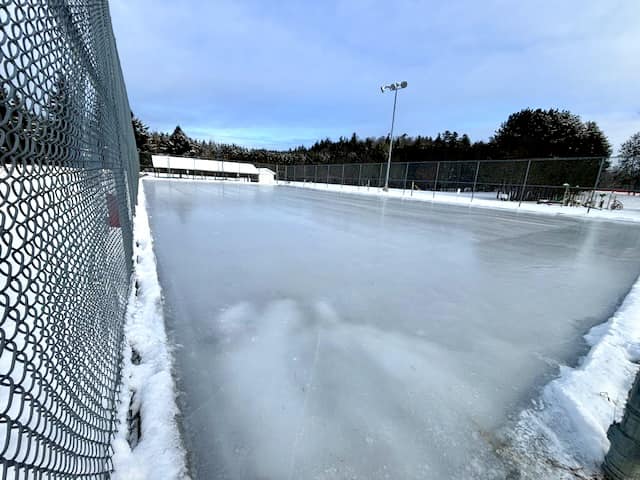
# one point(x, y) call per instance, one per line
point(277, 74)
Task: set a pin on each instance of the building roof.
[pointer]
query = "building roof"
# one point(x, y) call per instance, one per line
point(200, 164)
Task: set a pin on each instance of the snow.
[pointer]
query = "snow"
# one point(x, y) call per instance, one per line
point(359, 337)
point(266, 176)
point(159, 454)
point(199, 164)
point(630, 213)
point(575, 410)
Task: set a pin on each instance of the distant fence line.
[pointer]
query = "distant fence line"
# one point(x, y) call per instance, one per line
point(536, 179)
point(68, 185)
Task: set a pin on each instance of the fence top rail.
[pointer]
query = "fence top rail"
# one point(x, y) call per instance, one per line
point(429, 162)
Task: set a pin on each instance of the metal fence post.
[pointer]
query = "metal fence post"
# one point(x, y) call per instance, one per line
point(315, 174)
point(524, 185)
point(406, 174)
point(435, 183)
point(595, 185)
point(343, 174)
point(475, 180)
point(621, 461)
point(360, 175)
point(328, 171)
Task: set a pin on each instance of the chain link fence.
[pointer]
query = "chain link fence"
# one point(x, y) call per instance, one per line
point(585, 182)
point(68, 180)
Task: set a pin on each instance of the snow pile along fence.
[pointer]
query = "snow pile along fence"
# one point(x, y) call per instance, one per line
point(68, 184)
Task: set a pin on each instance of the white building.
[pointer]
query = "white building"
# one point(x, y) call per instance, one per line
point(165, 164)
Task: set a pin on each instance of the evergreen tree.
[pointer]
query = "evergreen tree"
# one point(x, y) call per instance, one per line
point(178, 143)
point(594, 141)
point(547, 134)
point(141, 133)
point(629, 170)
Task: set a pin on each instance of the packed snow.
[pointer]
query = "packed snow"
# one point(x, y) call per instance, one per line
point(329, 335)
point(630, 212)
point(159, 455)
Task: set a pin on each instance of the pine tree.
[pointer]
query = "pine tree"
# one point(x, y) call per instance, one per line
point(179, 144)
point(629, 169)
point(549, 133)
point(141, 133)
point(594, 141)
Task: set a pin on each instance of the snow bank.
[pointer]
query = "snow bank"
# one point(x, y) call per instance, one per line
point(566, 429)
point(480, 199)
point(159, 454)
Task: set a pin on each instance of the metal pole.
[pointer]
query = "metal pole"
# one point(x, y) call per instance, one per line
point(435, 184)
point(524, 185)
point(595, 185)
point(315, 175)
point(621, 462)
point(475, 180)
point(360, 175)
point(343, 174)
point(393, 119)
point(406, 174)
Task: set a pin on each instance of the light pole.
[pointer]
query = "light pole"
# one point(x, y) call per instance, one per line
point(393, 87)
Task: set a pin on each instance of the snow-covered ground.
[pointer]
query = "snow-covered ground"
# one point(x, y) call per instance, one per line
point(568, 423)
point(630, 212)
point(329, 335)
point(159, 455)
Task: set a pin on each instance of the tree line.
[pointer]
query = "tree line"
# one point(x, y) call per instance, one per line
point(525, 134)
point(528, 133)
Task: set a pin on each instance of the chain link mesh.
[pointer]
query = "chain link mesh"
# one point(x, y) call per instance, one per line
point(521, 179)
point(68, 179)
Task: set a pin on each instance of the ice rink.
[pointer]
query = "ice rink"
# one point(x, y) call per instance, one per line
point(331, 336)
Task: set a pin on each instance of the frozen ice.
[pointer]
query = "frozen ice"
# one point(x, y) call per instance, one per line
point(326, 335)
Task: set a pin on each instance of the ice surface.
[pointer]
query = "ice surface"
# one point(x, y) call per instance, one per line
point(324, 335)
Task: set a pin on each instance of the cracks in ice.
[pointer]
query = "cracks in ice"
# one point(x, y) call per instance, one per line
point(303, 421)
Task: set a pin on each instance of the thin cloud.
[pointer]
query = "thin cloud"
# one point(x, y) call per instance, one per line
point(284, 73)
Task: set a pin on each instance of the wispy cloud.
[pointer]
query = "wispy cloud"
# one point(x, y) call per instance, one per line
point(277, 74)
